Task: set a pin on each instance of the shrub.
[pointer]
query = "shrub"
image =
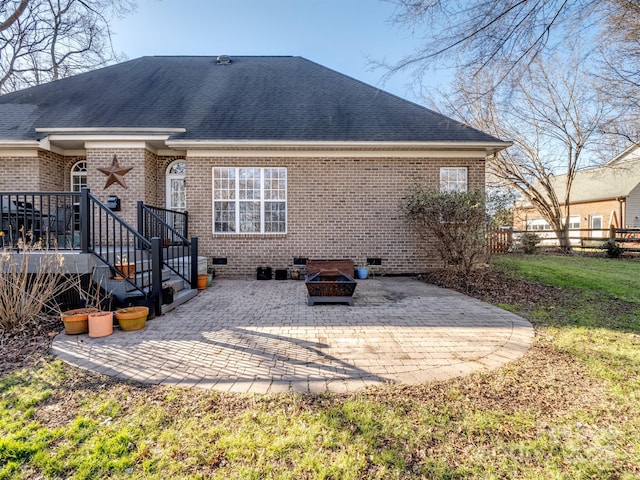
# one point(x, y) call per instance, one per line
point(29, 282)
point(529, 242)
point(612, 249)
point(454, 223)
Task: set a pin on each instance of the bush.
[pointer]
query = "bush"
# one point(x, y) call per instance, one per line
point(25, 296)
point(612, 249)
point(454, 223)
point(529, 242)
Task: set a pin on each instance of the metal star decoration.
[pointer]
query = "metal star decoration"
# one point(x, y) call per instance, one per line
point(115, 173)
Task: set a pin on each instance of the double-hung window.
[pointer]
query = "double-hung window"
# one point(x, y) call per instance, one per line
point(249, 200)
point(453, 179)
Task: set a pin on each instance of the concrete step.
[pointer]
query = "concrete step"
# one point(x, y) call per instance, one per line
point(175, 282)
point(179, 298)
point(103, 275)
point(183, 265)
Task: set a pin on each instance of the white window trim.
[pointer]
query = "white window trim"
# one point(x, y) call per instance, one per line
point(78, 170)
point(169, 175)
point(573, 221)
point(237, 200)
point(454, 186)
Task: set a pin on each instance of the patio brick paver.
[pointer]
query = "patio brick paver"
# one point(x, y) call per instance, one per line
point(244, 335)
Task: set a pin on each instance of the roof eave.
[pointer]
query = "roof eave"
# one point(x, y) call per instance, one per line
point(489, 148)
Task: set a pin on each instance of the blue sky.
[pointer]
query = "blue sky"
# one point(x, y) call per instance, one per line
point(344, 35)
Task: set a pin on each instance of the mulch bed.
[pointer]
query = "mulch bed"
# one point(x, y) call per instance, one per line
point(497, 288)
point(26, 347)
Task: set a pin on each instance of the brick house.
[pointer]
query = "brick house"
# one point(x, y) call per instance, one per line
point(273, 158)
point(601, 197)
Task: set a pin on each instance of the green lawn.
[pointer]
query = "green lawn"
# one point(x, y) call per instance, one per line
point(569, 409)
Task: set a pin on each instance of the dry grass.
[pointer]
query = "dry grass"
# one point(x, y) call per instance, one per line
point(29, 282)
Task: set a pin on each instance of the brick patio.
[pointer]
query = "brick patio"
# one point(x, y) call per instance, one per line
point(243, 335)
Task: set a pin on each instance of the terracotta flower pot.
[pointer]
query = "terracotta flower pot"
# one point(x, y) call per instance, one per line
point(100, 324)
point(132, 318)
point(76, 321)
point(202, 281)
point(129, 269)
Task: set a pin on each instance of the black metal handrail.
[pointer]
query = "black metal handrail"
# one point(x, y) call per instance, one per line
point(121, 247)
point(177, 221)
point(179, 254)
point(50, 218)
point(81, 222)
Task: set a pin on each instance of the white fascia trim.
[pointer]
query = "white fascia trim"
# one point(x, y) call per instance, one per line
point(620, 157)
point(465, 154)
point(103, 130)
point(219, 144)
point(20, 148)
point(20, 153)
point(107, 138)
point(140, 144)
point(208, 148)
point(19, 144)
point(134, 141)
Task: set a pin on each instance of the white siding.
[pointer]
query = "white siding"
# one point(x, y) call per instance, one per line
point(633, 208)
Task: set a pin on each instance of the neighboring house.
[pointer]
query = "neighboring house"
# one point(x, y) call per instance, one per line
point(600, 197)
point(273, 158)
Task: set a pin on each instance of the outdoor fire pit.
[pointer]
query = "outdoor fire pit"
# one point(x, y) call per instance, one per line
point(330, 286)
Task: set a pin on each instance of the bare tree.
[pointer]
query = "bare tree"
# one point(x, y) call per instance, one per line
point(495, 35)
point(11, 11)
point(621, 54)
point(553, 115)
point(505, 36)
point(45, 40)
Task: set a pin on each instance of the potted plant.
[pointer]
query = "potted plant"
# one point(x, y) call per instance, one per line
point(127, 268)
point(363, 271)
point(132, 318)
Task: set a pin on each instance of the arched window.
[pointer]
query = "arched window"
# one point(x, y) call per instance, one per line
point(79, 176)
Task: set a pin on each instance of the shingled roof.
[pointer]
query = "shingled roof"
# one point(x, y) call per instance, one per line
point(609, 181)
point(251, 98)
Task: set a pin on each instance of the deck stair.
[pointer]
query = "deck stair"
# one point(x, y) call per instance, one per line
point(104, 244)
point(127, 294)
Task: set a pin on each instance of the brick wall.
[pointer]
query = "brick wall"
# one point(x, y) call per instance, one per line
point(51, 172)
point(337, 208)
point(151, 175)
point(27, 174)
point(140, 183)
point(19, 174)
